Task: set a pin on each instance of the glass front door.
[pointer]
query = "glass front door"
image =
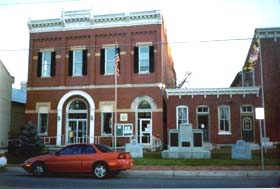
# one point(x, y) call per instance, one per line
point(145, 131)
point(77, 131)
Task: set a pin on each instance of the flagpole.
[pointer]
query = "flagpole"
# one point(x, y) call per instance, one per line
point(116, 101)
point(262, 86)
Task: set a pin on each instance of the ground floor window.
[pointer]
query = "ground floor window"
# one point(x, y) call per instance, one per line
point(181, 115)
point(224, 120)
point(107, 122)
point(42, 124)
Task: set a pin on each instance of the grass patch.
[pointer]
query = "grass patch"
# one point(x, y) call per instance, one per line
point(218, 158)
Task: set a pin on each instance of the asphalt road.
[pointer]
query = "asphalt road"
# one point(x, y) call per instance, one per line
point(17, 178)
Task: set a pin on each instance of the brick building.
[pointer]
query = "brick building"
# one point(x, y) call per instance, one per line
point(71, 82)
point(267, 66)
point(228, 114)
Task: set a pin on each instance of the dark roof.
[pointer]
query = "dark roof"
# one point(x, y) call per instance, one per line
point(19, 95)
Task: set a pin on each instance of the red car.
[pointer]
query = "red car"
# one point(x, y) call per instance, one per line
point(97, 159)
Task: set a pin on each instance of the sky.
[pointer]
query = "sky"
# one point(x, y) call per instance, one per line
point(209, 38)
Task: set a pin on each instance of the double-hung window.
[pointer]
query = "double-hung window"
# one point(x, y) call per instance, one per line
point(224, 120)
point(143, 59)
point(77, 63)
point(42, 123)
point(46, 63)
point(181, 115)
point(107, 60)
point(107, 123)
point(110, 61)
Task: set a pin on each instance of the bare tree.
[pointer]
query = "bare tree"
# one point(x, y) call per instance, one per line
point(184, 80)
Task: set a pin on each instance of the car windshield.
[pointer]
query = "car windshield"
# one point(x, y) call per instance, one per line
point(103, 148)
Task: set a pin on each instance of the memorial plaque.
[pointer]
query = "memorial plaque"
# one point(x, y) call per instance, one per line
point(135, 149)
point(241, 151)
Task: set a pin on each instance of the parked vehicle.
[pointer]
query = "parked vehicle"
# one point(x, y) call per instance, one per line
point(96, 159)
point(3, 160)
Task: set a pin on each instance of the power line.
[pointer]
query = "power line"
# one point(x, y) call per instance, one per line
point(38, 2)
point(158, 43)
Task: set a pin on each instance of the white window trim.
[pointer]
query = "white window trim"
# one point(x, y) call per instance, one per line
point(229, 117)
point(202, 113)
point(39, 125)
point(139, 61)
point(106, 72)
point(246, 105)
point(177, 111)
point(74, 64)
point(102, 125)
point(49, 64)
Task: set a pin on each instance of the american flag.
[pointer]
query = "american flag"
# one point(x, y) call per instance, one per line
point(117, 62)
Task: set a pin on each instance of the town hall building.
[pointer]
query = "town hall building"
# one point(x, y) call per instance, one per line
point(76, 95)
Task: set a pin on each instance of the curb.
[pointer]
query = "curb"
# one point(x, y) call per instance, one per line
point(177, 173)
point(201, 173)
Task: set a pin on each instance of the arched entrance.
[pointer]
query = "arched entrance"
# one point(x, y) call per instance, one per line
point(76, 110)
point(144, 116)
point(144, 107)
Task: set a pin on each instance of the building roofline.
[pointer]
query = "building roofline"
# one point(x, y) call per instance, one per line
point(213, 91)
point(84, 19)
point(12, 78)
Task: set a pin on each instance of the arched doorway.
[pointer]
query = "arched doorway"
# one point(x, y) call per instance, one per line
point(144, 116)
point(77, 122)
point(62, 138)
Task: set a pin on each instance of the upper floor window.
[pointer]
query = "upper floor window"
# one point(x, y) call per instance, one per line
point(246, 109)
point(224, 120)
point(46, 64)
point(143, 59)
point(107, 60)
point(182, 115)
point(77, 62)
point(202, 110)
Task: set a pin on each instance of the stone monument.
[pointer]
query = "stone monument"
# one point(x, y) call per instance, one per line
point(186, 143)
point(241, 151)
point(135, 149)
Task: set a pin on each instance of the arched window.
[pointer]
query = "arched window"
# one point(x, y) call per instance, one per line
point(77, 105)
point(144, 105)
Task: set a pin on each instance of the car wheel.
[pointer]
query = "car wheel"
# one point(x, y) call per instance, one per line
point(39, 169)
point(100, 170)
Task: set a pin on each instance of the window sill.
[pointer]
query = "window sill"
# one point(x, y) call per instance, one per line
point(106, 135)
point(224, 133)
point(77, 75)
point(42, 134)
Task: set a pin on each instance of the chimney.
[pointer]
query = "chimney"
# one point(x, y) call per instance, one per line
point(23, 85)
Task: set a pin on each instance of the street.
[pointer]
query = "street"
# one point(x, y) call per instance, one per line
point(15, 177)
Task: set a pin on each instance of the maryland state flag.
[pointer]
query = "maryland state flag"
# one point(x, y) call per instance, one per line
point(254, 56)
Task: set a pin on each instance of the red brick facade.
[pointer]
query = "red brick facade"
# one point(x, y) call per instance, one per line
point(225, 115)
point(95, 89)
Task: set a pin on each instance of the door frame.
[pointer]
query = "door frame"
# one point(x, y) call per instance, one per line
point(75, 138)
point(252, 127)
point(149, 132)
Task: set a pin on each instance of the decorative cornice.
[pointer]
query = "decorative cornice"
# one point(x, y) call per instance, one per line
point(84, 19)
point(267, 32)
point(213, 91)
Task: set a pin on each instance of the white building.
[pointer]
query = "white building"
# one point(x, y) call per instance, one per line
point(5, 104)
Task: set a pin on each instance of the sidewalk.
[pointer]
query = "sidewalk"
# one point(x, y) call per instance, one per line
point(185, 171)
point(196, 171)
